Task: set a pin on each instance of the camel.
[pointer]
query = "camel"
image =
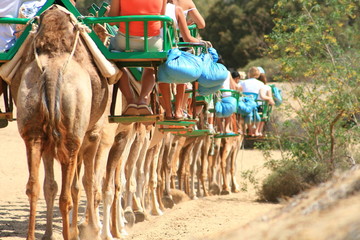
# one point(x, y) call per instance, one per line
point(126, 171)
point(222, 164)
point(61, 99)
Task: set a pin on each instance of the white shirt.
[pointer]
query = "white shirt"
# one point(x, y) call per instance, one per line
point(266, 89)
point(30, 8)
point(9, 9)
point(226, 85)
point(171, 12)
point(251, 85)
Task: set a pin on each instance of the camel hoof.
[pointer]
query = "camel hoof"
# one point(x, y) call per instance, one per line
point(225, 192)
point(157, 212)
point(214, 189)
point(168, 202)
point(130, 217)
point(86, 231)
point(46, 237)
point(139, 216)
point(119, 234)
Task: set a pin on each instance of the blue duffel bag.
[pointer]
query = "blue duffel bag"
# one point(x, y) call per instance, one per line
point(204, 91)
point(180, 67)
point(225, 107)
point(213, 74)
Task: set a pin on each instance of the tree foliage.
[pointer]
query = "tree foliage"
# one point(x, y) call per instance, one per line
point(319, 42)
point(236, 28)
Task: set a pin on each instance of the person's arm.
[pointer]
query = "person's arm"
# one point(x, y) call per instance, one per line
point(197, 18)
point(114, 10)
point(163, 9)
point(265, 97)
point(185, 33)
point(234, 85)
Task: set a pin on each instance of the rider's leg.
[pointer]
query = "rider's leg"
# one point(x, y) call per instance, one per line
point(166, 99)
point(179, 100)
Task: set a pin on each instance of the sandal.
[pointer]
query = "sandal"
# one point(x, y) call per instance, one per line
point(131, 110)
point(144, 110)
point(178, 118)
point(168, 117)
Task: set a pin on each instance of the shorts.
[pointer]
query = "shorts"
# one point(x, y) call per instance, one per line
point(118, 43)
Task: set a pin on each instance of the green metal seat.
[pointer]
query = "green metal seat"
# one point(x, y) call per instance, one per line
point(129, 58)
point(225, 135)
point(195, 133)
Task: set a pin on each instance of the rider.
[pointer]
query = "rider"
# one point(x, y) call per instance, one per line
point(264, 94)
point(176, 13)
point(10, 9)
point(138, 7)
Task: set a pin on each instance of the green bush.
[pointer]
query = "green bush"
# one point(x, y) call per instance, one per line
point(291, 178)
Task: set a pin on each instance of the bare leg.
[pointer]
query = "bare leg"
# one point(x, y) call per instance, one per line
point(228, 125)
point(166, 97)
point(126, 89)
point(147, 84)
point(260, 128)
point(179, 100)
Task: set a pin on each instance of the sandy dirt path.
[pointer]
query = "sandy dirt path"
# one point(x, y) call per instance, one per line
point(188, 220)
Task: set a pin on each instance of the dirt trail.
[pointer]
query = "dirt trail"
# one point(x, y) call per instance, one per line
point(187, 220)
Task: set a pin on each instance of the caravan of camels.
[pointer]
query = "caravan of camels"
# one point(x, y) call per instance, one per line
point(65, 82)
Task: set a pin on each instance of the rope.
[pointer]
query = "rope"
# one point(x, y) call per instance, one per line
point(38, 62)
point(72, 51)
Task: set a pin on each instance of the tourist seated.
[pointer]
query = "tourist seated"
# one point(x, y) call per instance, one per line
point(176, 13)
point(266, 95)
point(191, 13)
point(9, 9)
point(138, 106)
point(251, 87)
point(224, 124)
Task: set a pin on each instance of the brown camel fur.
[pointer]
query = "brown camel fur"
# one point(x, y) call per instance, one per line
point(60, 104)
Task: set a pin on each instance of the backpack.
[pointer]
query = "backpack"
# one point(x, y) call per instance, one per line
point(276, 95)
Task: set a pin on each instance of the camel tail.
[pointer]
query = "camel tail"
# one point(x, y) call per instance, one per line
point(51, 108)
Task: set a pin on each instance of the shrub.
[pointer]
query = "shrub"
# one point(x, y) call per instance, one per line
point(317, 41)
point(290, 178)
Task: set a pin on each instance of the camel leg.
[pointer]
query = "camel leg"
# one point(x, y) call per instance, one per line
point(50, 189)
point(33, 150)
point(117, 155)
point(166, 170)
point(159, 173)
point(65, 201)
point(107, 139)
point(155, 206)
point(204, 164)
point(214, 168)
point(90, 227)
point(223, 164)
point(75, 194)
point(181, 170)
point(235, 186)
point(195, 158)
point(138, 207)
point(130, 176)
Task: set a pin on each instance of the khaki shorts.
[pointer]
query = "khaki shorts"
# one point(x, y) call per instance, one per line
point(118, 43)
